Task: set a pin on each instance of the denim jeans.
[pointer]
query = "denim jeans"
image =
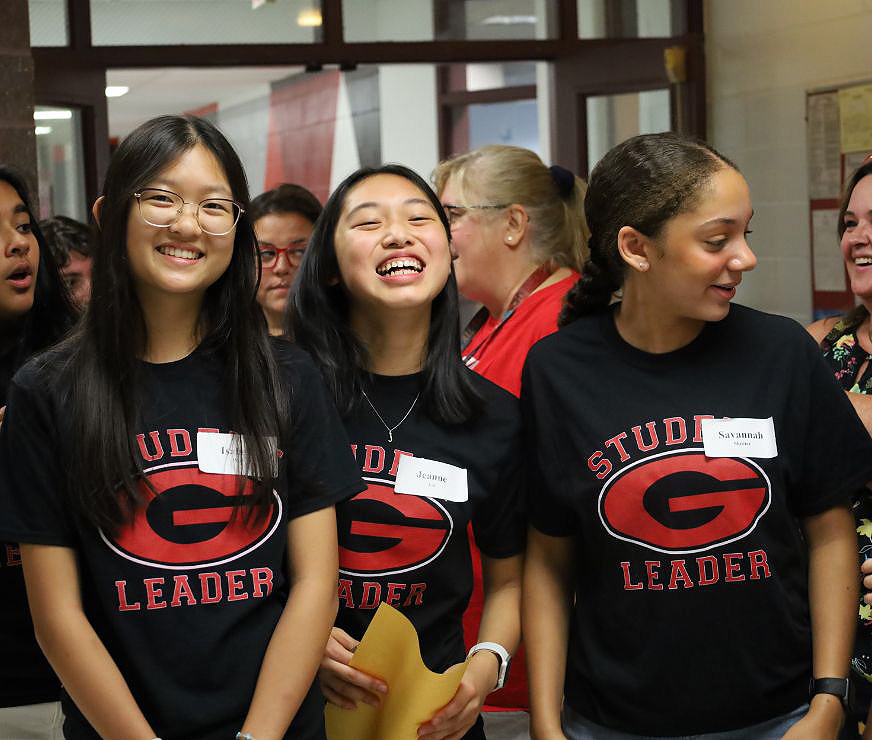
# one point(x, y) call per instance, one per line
point(576, 727)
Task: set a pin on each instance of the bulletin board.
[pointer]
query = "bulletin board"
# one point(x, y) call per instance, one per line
point(839, 135)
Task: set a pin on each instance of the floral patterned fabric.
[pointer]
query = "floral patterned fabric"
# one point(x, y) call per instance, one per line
point(842, 351)
point(845, 356)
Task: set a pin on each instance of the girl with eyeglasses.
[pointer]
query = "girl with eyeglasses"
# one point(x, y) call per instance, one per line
point(283, 219)
point(178, 543)
point(35, 312)
point(376, 305)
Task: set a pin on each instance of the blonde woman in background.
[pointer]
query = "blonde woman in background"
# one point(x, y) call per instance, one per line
point(518, 230)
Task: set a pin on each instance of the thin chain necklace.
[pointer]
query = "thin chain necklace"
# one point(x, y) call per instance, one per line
point(384, 423)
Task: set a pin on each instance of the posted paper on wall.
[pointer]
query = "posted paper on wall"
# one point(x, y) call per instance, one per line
point(855, 118)
point(823, 146)
point(829, 267)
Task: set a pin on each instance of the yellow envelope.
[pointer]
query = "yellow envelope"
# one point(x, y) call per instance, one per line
point(390, 650)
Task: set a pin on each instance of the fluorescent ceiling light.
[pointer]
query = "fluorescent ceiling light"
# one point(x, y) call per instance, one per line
point(116, 91)
point(509, 20)
point(309, 18)
point(52, 115)
point(42, 130)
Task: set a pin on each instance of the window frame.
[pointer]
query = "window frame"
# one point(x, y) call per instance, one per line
point(75, 74)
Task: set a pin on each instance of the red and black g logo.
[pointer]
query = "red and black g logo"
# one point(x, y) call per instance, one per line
point(191, 520)
point(386, 533)
point(683, 501)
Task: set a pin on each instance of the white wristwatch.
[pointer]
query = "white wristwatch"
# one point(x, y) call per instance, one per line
point(502, 656)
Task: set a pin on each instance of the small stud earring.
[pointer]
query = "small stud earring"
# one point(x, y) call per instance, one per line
point(510, 239)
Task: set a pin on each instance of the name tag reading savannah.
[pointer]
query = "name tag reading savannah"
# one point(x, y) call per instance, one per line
point(739, 437)
point(418, 476)
point(225, 454)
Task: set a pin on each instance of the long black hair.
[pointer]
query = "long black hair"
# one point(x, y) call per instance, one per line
point(642, 182)
point(105, 354)
point(53, 312)
point(321, 324)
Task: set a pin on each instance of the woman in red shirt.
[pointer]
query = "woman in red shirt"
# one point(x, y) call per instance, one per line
point(518, 230)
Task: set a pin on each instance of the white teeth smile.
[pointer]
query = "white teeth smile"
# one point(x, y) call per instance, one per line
point(863, 261)
point(187, 254)
point(400, 266)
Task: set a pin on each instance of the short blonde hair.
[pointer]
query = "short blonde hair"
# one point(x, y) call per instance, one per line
point(500, 174)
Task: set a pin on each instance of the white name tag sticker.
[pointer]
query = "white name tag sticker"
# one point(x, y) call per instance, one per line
point(418, 476)
point(225, 454)
point(739, 438)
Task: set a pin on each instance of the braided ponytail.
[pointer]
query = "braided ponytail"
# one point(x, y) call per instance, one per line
point(593, 292)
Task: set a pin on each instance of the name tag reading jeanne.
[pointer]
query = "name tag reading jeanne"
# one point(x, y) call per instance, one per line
point(225, 454)
point(739, 437)
point(418, 476)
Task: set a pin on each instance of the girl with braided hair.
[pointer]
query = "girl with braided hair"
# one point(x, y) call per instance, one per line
point(690, 564)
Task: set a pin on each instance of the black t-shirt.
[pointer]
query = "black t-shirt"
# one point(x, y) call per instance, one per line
point(411, 551)
point(186, 596)
point(691, 612)
point(25, 675)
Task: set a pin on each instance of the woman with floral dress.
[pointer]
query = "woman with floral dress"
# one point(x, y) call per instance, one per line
point(846, 343)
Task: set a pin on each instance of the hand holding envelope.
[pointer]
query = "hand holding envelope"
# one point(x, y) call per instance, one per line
point(343, 684)
point(389, 651)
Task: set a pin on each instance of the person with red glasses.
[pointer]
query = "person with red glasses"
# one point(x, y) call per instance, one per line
point(283, 219)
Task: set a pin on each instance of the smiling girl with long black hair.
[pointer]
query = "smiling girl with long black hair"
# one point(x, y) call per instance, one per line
point(179, 540)
point(376, 304)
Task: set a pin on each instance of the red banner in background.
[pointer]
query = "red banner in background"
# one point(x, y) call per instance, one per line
point(302, 127)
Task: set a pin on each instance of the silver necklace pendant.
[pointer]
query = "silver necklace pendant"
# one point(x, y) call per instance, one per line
point(390, 430)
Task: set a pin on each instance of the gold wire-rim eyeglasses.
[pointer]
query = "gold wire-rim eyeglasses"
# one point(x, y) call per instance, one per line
point(237, 210)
